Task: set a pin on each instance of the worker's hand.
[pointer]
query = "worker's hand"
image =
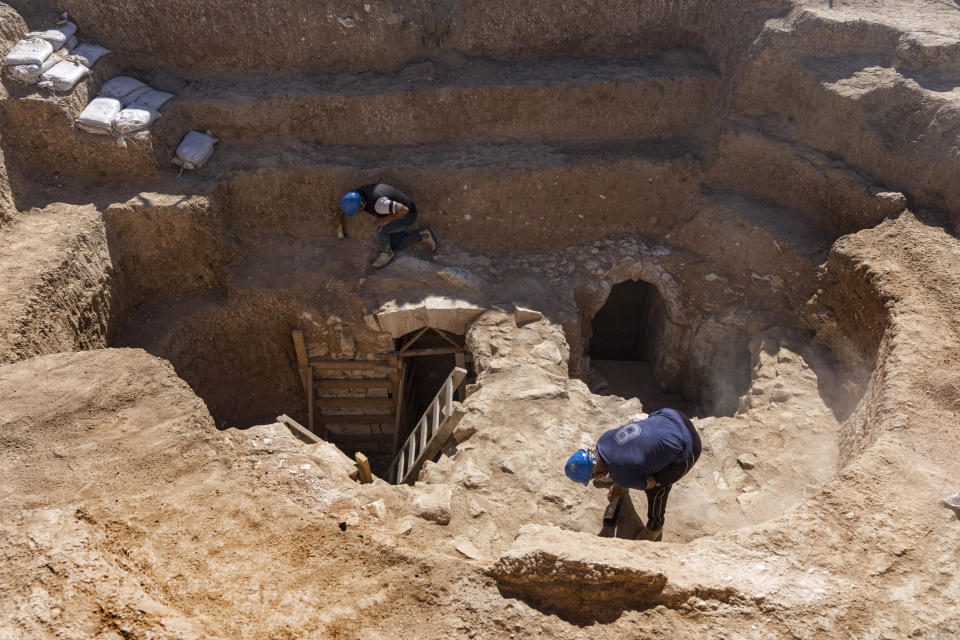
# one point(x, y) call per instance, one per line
point(615, 492)
point(380, 224)
point(340, 233)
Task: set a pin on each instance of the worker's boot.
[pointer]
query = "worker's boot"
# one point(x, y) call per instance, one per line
point(647, 534)
point(383, 259)
point(427, 236)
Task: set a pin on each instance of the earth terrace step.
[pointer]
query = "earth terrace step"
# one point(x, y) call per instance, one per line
point(57, 292)
point(39, 134)
point(509, 195)
point(841, 199)
point(475, 100)
point(868, 90)
point(763, 247)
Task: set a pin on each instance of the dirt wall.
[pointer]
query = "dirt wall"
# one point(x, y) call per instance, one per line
point(12, 27)
point(350, 34)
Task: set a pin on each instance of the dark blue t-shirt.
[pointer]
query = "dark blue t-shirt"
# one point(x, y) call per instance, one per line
point(642, 448)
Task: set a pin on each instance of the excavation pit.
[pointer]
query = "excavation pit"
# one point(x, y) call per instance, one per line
point(703, 203)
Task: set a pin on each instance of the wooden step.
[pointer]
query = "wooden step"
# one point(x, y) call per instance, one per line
point(354, 383)
point(378, 367)
point(339, 365)
point(366, 419)
point(372, 403)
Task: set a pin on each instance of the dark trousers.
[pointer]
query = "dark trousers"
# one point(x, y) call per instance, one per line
point(657, 497)
point(397, 234)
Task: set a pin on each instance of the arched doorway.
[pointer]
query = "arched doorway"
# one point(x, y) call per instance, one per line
point(627, 335)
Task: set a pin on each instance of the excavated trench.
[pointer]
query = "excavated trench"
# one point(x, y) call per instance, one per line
point(681, 273)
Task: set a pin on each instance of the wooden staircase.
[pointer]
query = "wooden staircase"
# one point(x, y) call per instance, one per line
point(358, 404)
point(354, 403)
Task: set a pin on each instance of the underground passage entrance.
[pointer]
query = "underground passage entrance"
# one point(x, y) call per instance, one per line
point(395, 408)
point(626, 338)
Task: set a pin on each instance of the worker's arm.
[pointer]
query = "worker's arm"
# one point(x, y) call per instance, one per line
point(338, 224)
point(394, 209)
point(616, 490)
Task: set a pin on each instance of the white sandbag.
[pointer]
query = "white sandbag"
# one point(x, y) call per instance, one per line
point(133, 119)
point(134, 95)
point(88, 53)
point(30, 73)
point(57, 37)
point(99, 115)
point(153, 99)
point(195, 149)
point(120, 86)
point(64, 75)
point(31, 51)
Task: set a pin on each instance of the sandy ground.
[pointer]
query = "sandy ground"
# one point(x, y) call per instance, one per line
point(798, 216)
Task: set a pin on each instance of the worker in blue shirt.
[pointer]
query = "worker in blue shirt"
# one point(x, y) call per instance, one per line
point(649, 454)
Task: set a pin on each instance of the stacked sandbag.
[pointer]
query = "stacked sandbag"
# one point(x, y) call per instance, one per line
point(58, 37)
point(28, 59)
point(99, 115)
point(124, 106)
point(48, 58)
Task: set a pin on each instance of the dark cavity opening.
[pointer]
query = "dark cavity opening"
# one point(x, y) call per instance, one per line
point(627, 337)
point(427, 358)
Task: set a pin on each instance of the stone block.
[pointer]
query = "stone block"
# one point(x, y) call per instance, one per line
point(434, 505)
point(448, 314)
point(576, 575)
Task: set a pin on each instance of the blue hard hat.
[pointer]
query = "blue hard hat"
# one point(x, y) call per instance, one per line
point(580, 467)
point(351, 202)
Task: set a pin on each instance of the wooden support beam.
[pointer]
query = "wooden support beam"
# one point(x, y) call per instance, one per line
point(366, 403)
point(352, 383)
point(311, 401)
point(340, 365)
point(443, 334)
point(298, 429)
point(364, 419)
point(398, 411)
point(433, 351)
point(363, 467)
point(413, 339)
point(376, 367)
point(461, 362)
point(300, 345)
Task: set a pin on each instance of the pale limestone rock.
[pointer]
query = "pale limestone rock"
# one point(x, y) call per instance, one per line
point(475, 509)
point(468, 549)
point(570, 572)
point(747, 461)
point(469, 476)
point(523, 316)
point(460, 277)
point(404, 526)
point(548, 350)
point(448, 314)
point(378, 509)
point(351, 519)
point(330, 461)
point(370, 321)
point(434, 505)
point(348, 347)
